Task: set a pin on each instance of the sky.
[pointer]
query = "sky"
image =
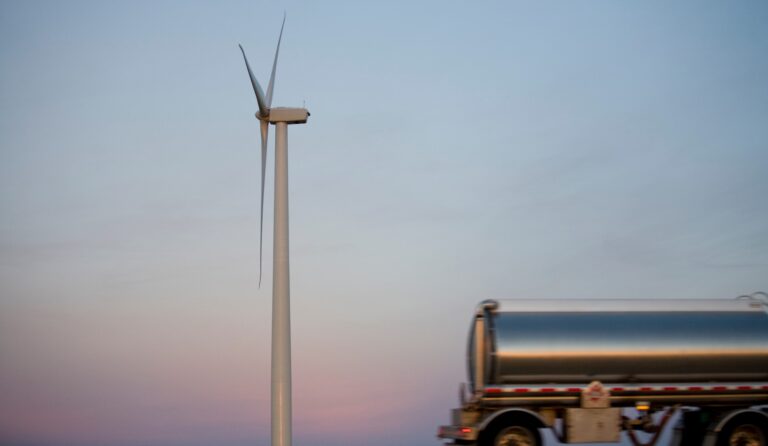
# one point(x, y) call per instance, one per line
point(456, 151)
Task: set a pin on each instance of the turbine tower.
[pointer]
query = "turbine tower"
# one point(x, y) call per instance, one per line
point(280, 117)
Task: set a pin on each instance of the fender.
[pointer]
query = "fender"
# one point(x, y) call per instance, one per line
point(489, 419)
point(721, 424)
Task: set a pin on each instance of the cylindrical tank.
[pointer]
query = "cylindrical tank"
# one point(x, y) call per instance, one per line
point(578, 341)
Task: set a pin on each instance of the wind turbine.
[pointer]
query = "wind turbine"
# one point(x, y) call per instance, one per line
point(281, 117)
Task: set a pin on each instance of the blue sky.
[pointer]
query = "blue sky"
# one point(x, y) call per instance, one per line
point(456, 152)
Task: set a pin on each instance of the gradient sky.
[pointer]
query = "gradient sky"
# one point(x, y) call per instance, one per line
point(456, 151)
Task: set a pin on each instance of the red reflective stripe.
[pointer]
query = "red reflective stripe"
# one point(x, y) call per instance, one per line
point(625, 389)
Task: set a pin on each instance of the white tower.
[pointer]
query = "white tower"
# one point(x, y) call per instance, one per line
point(280, 117)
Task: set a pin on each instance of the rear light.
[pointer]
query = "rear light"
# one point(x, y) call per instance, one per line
point(465, 430)
point(492, 390)
point(642, 406)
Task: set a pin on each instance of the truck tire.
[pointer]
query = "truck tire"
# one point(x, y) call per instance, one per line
point(511, 432)
point(746, 430)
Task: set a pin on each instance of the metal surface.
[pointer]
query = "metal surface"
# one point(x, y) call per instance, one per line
point(475, 356)
point(593, 425)
point(539, 421)
point(578, 341)
point(281, 322)
point(288, 115)
point(620, 305)
point(281, 292)
point(281, 315)
point(629, 400)
point(739, 413)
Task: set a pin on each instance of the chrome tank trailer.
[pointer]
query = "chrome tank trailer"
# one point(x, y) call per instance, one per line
point(617, 341)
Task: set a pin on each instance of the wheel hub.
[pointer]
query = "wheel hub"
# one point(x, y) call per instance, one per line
point(515, 436)
point(747, 435)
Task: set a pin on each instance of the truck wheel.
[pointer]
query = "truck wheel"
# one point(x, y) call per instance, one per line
point(746, 430)
point(511, 435)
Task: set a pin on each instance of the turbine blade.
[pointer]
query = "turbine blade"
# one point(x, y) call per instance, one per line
point(264, 134)
point(271, 85)
point(263, 107)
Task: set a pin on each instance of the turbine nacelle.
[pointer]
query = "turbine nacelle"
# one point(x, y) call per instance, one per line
point(288, 115)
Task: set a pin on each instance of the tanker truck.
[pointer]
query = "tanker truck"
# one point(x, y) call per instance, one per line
point(590, 370)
